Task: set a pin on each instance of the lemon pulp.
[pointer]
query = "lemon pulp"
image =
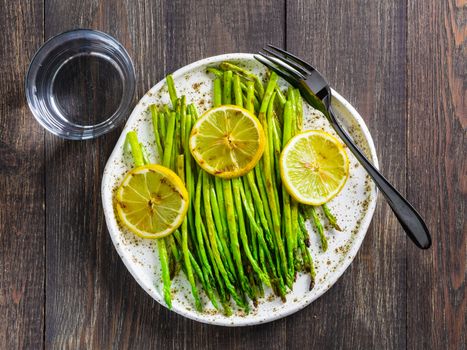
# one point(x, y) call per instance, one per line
point(314, 167)
point(227, 141)
point(152, 201)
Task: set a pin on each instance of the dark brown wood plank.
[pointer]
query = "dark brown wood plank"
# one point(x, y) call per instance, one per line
point(437, 149)
point(22, 212)
point(360, 46)
point(92, 301)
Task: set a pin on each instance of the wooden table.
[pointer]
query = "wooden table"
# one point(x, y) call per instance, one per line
point(401, 64)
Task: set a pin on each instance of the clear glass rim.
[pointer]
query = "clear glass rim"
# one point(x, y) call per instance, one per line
point(120, 58)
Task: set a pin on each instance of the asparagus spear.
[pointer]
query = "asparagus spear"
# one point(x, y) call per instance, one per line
point(166, 160)
point(307, 260)
point(280, 96)
point(183, 113)
point(165, 271)
point(163, 256)
point(132, 140)
point(193, 111)
point(331, 218)
point(299, 104)
point(226, 93)
point(287, 134)
point(270, 189)
point(155, 126)
point(295, 128)
point(163, 126)
point(250, 97)
point(184, 229)
point(319, 228)
point(301, 224)
point(237, 90)
point(217, 92)
point(171, 88)
point(270, 139)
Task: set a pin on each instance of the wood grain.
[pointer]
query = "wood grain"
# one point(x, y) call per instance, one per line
point(401, 64)
point(360, 47)
point(21, 183)
point(437, 168)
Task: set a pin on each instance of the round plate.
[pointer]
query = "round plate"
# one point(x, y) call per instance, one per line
point(354, 206)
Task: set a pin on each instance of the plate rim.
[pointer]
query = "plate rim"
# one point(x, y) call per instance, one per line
point(357, 242)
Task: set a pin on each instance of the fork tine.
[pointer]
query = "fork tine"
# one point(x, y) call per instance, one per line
point(292, 80)
point(288, 61)
point(296, 74)
point(306, 65)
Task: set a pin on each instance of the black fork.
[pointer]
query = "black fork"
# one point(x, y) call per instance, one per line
point(315, 90)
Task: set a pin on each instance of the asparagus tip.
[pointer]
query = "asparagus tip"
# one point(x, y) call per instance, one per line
point(312, 283)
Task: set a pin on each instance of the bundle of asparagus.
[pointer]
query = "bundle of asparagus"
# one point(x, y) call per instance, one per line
point(242, 233)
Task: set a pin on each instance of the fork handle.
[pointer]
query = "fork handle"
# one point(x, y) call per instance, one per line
point(408, 217)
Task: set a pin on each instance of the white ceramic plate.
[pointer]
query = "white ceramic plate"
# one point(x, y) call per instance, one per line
point(354, 206)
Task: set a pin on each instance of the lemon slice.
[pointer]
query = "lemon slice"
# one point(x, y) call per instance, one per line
point(151, 201)
point(314, 167)
point(227, 141)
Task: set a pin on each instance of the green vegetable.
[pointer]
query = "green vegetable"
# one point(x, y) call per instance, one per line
point(217, 92)
point(171, 88)
point(243, 232)
point(226, 94)
point(319, 228)
point(250, 97)
point(186, 256)
point(331, 218)
point(155, 127)
point(237, 91)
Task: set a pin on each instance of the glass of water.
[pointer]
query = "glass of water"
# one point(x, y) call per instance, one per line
point(80, 84)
